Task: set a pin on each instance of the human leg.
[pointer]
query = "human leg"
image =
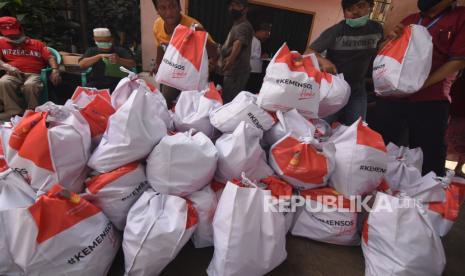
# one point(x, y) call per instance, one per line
point(11, 103)
point(357, 105)
point(233, 85)
point(427, 124)
point(31, 90)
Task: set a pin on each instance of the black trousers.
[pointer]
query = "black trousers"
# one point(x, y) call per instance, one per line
point(416, 124)
point(233, 85)
point(255, 82)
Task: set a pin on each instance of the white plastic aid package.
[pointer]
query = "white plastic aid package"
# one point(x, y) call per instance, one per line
point(185, 62)
point(95, 106)
point(81, 240)
point(291, 83)
point(182, 164)
point(399, 239)
point(38, 147)
point(445, 213)
point(404, 166)
point(240, 152)
point(361, 160)
point(193, 110)
point(115, 192)
point(326, 222)
point(403, 65)
point(304, 162)
point(130, 136)
point(243, 108)
point(157, 228)
point(248, 240)
point(290, 122)
point(205, 202)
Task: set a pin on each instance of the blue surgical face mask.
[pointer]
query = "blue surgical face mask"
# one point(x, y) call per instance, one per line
point(358, 22)
point(104, 45)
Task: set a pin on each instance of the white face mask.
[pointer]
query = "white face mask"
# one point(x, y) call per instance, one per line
point(104, 45)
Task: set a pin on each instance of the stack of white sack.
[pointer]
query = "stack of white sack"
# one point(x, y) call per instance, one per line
point(49, 146)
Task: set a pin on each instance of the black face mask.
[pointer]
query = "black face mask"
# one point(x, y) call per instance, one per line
point(425, 5)
point(235, 14)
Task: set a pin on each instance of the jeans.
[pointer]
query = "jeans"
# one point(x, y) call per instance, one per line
point(355, 108)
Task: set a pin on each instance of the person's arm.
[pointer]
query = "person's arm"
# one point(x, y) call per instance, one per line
point(55, 77)
point(448, 69)
point(158, 60)
point(231, 59)
point(321, 44)
point(456, 53)
point(212, 50)
point(243, 38)
point(125, 62)
point(325, 64)
point(88, 62)
point(9, 69)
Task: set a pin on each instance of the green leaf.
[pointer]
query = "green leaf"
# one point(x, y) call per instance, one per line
point(3, 4)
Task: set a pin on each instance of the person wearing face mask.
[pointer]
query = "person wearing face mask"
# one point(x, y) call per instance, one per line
point(236, 51)
point(105, 60)
point(22, 58)
point(425, 114)
point(350, 46)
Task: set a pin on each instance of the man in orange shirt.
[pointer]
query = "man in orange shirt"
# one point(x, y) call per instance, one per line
point(163, 28)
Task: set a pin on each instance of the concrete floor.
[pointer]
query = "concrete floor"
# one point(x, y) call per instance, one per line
point(306, 257)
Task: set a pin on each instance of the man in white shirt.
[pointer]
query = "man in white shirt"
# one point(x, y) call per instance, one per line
point(262, 33)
